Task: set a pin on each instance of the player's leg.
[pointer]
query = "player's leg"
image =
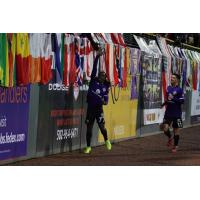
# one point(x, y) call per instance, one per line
point(90, 118)
point(101, 123)
point(177, 124)
point(176, 139)
point(166, 129)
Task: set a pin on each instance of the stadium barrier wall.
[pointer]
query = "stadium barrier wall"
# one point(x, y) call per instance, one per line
point(56, 120)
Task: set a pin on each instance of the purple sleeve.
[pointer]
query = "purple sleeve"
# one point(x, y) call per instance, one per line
point(94, 70)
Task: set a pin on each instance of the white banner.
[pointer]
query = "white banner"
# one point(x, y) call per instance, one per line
point(195, 107)
point(153, 116)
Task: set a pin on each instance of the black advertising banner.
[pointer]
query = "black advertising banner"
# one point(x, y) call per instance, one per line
point(151, 71)
point(61, 118)
point(152, 90)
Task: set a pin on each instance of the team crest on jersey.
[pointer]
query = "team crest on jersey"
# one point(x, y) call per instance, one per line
point(174, 93)
point(76, 92)
point(98, 91)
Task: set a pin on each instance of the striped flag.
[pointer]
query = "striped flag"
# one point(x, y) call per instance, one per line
point(79, 59)
point(107, 37)
point(107, 60)
point(89, 53)
point(23, 59)
point(66, 59)
point(46, 58)
point(116, 65)
point(72, 73)
point(117, 38)
point(11, 39)
point(125, 70)
point(3, 59)
point(56, 49)
point(35, 57)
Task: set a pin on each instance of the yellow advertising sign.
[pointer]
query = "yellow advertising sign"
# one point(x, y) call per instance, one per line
point(120, 117)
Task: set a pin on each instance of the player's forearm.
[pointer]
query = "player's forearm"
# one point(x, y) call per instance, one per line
point(179, 100)
point(94, 70)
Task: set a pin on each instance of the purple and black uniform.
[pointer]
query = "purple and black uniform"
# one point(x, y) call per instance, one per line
point(173, 113)
point(97, 97)
point(98, 92)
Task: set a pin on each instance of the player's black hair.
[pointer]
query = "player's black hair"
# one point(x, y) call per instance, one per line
point(177, 76)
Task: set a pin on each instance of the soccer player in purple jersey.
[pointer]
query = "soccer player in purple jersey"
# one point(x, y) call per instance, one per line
point(173, 113)
point(97, 97)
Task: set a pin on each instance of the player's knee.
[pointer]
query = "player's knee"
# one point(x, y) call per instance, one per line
point(165, 128)
point(104, 129)
point(102, 126)
point(101, 121)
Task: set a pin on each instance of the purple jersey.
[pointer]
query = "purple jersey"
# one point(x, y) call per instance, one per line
point(98, 92)
point(175, 99)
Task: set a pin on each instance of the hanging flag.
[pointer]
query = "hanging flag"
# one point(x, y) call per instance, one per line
point(103, 36)
point(167, 63)
point(23, 59)
point(108, 38)
point(114, 38)
point(187, 68)
point(83, 58)
point(164, 79)
point(111, 63)
point(100, 38)
point(79, 69)
point(46, 58)
point(194, 74)
point(122, 57)
point(125, 70)
point(102, 61)
point(89, 59)
point(184, 74)
point(107, 60)
point(72, 73)
point(118, 63)
point(117, 38)
point(66, 55)
point(121, 39)
point(115, 65)
point(11, 39)
point(94, 38)
point(56, 49)
point(62, 55)
point(35, 59)
point(3, 60)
